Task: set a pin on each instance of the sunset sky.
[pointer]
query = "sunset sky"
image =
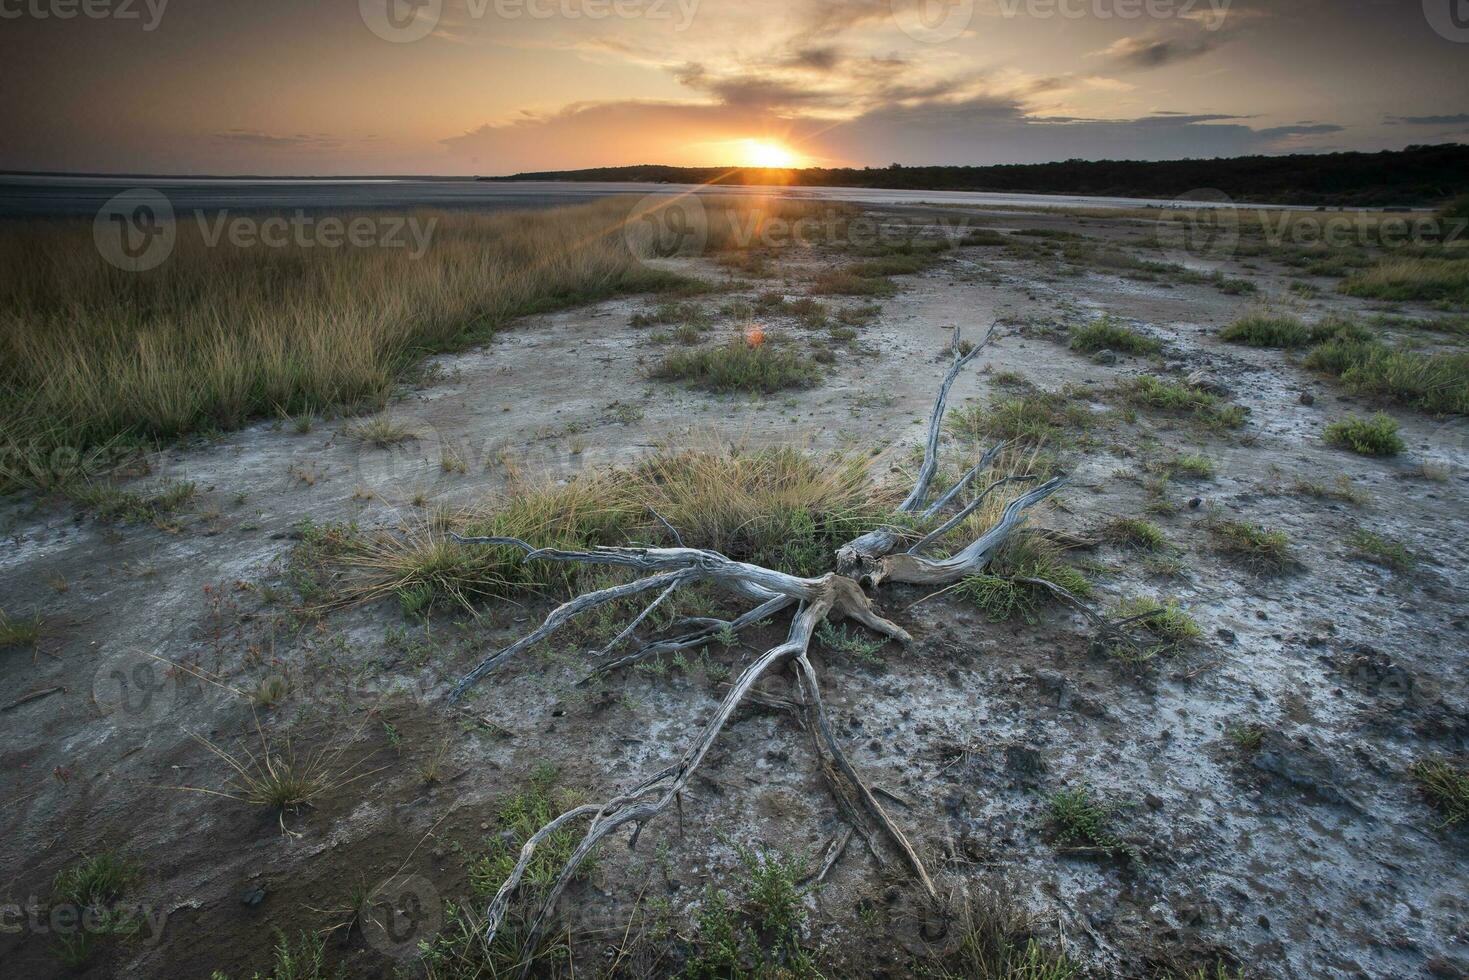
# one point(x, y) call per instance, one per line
point(498, 86)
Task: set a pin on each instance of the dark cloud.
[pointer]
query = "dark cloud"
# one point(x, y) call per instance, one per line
point(817, 59)
point(252, 137)
point(1145, 52)
point(1455, 119)
point(1316, 129)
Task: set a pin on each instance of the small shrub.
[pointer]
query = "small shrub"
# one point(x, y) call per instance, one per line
point(740, 366)
point(1377, 436)
point(1107, 334)
point(1079, 820)
point(1437, 383)
point(1032, 419)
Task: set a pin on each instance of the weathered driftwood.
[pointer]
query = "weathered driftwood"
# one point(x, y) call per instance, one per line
point(873, 558)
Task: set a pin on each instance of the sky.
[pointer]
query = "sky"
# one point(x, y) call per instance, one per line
point(317, 87)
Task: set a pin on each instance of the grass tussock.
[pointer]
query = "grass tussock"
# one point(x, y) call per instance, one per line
point(1032, 418)
point(1412, 279)
point(1437, 383)
point(778, 507)
point(1108, 334)
point(740, 366)
point(1135, 532)
point(1382, 551)
point(1204, 407)
point(1445, 786)
point(1263, 551)
point(1165, 620)
point(1001, 592)
point(20, 631)
point(1375, 436)
point(1280, 330)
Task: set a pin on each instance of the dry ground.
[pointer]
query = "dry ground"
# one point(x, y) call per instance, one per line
point(1305, 851)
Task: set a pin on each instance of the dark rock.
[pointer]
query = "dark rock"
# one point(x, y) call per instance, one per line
point(1195, 503)
point(1307, 398)
point(1105, 357)
point(1226, 635)
point(252, 897)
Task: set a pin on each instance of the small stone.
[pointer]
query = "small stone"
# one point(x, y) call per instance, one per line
point(1105, 357)
point(252, 897)
point(1264, 921)
point(1195, 503)
point(1226, 635)
point(1307, 398)
point(1154, 801)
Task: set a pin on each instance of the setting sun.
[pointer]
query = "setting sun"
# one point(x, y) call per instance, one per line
point(764, 153)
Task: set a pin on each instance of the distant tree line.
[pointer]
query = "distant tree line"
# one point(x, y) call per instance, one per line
point(1415, 176)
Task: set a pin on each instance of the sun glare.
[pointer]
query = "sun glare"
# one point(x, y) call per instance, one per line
point(765, 153)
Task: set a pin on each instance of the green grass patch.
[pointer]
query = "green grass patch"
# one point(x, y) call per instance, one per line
point(1079, 820)
point(1375, 436)
point(1108, 334)
point(1206, 408)
point(20, 631)
point(1437, 383)
point(1134, 532)
point(844, 282)
point(154, 506)
point(1383, 551)
point(1263, 551)
point(1445, 786)
point(1033, 418)
point(740, 366)
point(1168, 622)
point(999, 595)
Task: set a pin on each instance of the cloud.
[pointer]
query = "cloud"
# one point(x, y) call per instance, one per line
point(1456, 119)
point(1315, 129)
point(1153, 52)
point(251, 137)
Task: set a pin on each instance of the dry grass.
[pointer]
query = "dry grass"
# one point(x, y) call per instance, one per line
point(1412, 279)
point(216, 336)
point(778, 507)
